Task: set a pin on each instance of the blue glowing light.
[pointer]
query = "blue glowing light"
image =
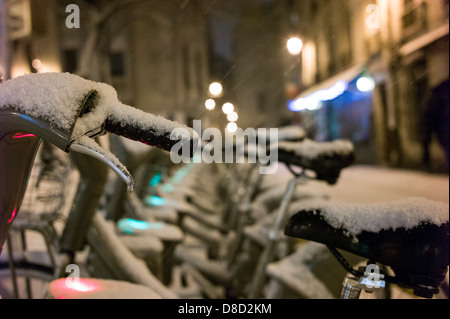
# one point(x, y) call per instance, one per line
point(154, 201)
point(155, 180)
point(130, 226)
point(314, 100)
point(180, 175)
point(373, 283)
point(168, 188)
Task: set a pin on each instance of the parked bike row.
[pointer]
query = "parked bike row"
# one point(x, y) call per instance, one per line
point(120, 219)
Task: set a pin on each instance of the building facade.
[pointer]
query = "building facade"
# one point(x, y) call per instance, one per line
point(259, 71)
point(403, 46)
point(155, 53)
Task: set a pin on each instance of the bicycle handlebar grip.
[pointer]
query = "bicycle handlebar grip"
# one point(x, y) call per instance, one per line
point(152, 130)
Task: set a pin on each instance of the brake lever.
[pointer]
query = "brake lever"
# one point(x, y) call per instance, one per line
point(88, 146)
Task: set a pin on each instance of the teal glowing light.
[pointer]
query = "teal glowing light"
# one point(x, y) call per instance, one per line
point(155, 180)
point(168, 188)
point(154, 201)
point(179, 175)
point(130, 226)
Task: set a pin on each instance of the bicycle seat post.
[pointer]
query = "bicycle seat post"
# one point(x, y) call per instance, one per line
point(350, 288)
point(369, 281)
point(273, 237)
point(93, 176)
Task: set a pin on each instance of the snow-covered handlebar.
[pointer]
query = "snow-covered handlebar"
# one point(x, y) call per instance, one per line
point(68, 111)
point(72, 107)
point(142, 127)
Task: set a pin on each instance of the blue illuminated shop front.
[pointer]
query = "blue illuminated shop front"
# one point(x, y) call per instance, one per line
point(340, 108)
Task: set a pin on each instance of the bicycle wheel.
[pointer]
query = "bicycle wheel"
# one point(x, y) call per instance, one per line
point(25, 278)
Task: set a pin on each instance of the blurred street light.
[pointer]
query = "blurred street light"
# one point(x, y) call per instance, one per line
point(365, 84)
point(232, 117)
point(295, 45)
point(210, 104)
point(228, 108)
point(36, 64)
point(232, 127)
point(216, 89)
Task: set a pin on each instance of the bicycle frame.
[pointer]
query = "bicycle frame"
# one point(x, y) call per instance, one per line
point(93, 175)
point(19, 142)
point(74, 114)
point(17, 153)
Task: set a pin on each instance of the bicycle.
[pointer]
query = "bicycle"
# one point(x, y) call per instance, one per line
point(327, 162)
point(43, 212)
point(313, 270)
point(124, 210)
point(69, 112)
point(409, 237)
point(217, 203)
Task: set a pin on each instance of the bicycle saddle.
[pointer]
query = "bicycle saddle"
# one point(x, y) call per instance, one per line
point(285, 133)
point(263, 138)
point(411, 236)
point(291, 133)
point(326, 159)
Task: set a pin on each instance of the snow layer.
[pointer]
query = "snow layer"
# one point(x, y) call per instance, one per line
point(291, 133)
point(142, 246)
point(54, 97)
point(406, 213)
point(57, 98)
point(309, 149)
point(295, 271)
point(285, 133)
point(102, 235)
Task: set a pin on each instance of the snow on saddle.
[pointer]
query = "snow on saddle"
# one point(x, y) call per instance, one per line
point(326, 159)
point(411, 236)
